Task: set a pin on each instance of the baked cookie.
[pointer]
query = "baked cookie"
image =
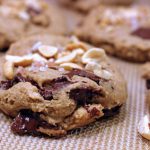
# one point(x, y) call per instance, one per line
point(146, 75)
point(122, 31)
point(26, 17)
point(56, 84)
point(86, 5)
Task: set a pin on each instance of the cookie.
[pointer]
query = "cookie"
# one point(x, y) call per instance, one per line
point(87, 5)
point(57, 84)
point(22, 18)
point(146, 75)
point(146, 71)
point(122, 31)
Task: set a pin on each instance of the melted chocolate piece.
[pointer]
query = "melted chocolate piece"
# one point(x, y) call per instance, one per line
point(84, 73)
point(25, 122)
point(28, 122)
point(51, 86)
point(57, 84)
point(5, 85)
point(142, 32)
point(46, 93)
point(83, 96)
point(111, 112)
point(93, 112)
point(148, 84)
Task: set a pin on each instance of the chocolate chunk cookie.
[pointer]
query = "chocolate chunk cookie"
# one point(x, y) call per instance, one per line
point(122, 31)
point(87, 5)
point(146, 75)
point(55, 84)
point(26, 17)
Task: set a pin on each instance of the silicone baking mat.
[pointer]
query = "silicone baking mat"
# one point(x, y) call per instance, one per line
point(117, 133)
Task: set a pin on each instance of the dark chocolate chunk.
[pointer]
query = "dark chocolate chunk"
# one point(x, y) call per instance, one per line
point(28, 122)
point(83, 95)
point(46, 93)
point(148, 84)
point(142, 32)
point(93, 112)
point(25, 122)
point(84, 73)
point(111, 112)
point(50, 86)
point(57, 84)
point(5, 85)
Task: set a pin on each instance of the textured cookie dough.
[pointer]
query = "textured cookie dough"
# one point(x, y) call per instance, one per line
point(22, 18)
point(86, 5)
point(122, 31)
point(72, 88)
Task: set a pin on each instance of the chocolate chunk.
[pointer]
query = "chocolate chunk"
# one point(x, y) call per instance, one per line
point(28, 122)
point(46, 93)
point(83, 96)
point(93, 112)
point(49, 87)
point(84, 73)
point(5, 85)
point(142, 32)
point(148, 84)
point(57, 84)
point(111, 112)
point(25, 122)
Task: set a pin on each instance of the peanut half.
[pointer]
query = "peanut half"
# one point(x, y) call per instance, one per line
point(143, 127)
point(94, 55)
point(47, 51)
point(20, 60)
point(68, 58)
point(8, 70)
point(70, 66)
point(103, 74)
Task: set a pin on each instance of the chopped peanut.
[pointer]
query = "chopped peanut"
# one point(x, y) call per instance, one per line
point(47, 51)
point(70, 66)
point(94, 55)
point(8, 70)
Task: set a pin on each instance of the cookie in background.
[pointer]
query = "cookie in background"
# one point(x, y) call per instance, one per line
point(122, 31)
point(26, 17)
point(87, 5)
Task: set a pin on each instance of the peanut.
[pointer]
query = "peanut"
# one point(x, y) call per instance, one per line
point(8, 70)
point(70, 66)
point(94, 55)
point(47, 51)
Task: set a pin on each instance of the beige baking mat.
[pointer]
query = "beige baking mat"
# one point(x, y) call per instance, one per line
point(118, 133)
